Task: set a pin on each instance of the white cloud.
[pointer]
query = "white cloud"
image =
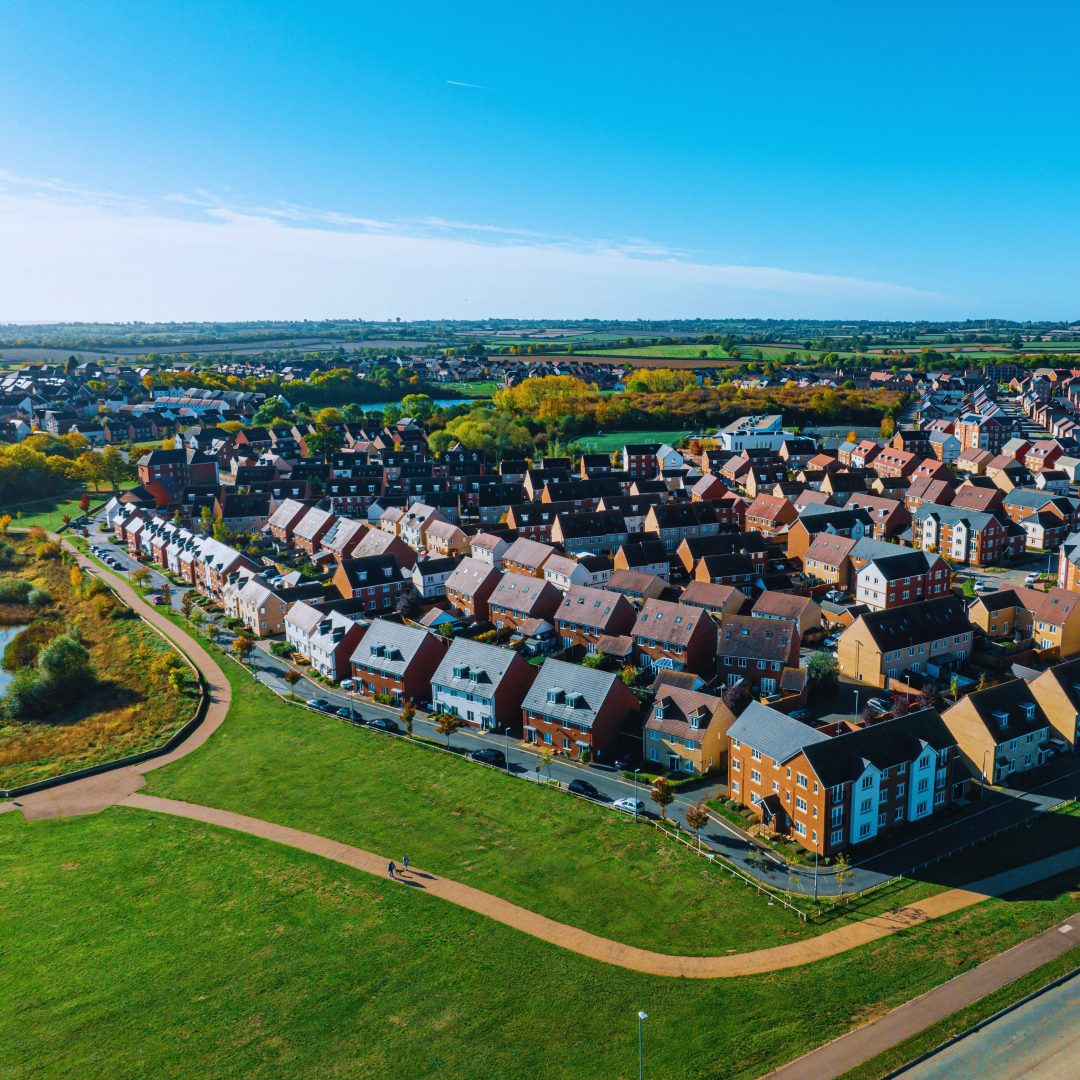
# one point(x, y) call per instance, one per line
point(70, 254)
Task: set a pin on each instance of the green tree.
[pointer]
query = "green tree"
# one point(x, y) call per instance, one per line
point(822, 670)
point(662, 795)
point(446, 724)
point(242, 645)
point(697, 817)
point(114, 469)
point(206, 520)
point(843, 873)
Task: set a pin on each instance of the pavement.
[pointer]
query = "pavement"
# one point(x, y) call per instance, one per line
point(1039, 1040)
point(866, 1042)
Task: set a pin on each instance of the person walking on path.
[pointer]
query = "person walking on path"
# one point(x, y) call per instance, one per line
point(390, 869)
point(405, 864)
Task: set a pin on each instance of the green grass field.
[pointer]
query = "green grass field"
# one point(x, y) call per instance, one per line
point(141, 946)
point(481, 388)
point(47, 513)
point(616, 440)
point(566, 858)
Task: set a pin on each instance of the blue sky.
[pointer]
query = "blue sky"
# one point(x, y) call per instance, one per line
point(826, 158)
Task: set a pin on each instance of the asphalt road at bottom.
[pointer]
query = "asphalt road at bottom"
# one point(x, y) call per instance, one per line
point(1038, 1041)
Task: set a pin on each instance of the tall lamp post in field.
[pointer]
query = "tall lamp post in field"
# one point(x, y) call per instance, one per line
point(641, 1018)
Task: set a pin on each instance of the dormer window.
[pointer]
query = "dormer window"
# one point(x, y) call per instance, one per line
point(1029, 710)
point(556, 696)
point(461, 671)
point(1002, 719)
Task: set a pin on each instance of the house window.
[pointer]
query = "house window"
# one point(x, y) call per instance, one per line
point(866, 806)
point(864, 830)
point(755, 776)
point(898, 814)
point(836, 837)
point(755, 755)
point(735, 787)
point(801, 780)
point(800, 804)
point(867, 782)
point(800, 828)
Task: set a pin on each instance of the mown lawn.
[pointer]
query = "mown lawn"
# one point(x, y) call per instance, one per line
point(144, 946)
point(47, 513)
point(616, 440)
point(568, 859)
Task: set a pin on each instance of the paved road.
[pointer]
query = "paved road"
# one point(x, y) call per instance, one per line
point(1038, 1041)
point(851, 1050)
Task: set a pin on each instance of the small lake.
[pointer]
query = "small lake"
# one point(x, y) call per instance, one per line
point(381, 405)
point(6, 634)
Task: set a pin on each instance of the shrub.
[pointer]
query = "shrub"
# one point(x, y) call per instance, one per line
point(14, 591)
point(39, 598)
point(281, 649)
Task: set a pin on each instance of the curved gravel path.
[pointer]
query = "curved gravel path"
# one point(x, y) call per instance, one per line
point(603, 949)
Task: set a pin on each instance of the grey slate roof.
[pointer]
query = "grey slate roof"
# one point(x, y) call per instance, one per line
point(772, 732)
point(485, 666)
point(951, 515)
point(389, 647)
point(580, 691)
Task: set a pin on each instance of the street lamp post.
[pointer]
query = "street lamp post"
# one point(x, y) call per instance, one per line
point(856, 701)
point(635, 793)
point(641, 1018)
point(506, 747)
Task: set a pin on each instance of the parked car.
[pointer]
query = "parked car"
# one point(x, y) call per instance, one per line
point(1060, 746)
point(1031, 578)
point(984, 586)
point(629, 806)
point(879, 705)
point(489, 756)
point(835, 595)
point(800, 714)
point(626, 763)
point(345, 712)
point(347, 684)
point(383, 723)
point(831, 641)
point(583, 788)
point(318, 703)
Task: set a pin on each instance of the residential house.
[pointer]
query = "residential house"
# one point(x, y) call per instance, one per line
point(770, 516)
point(801, 611)
point(470, 586)
point(687, 732)
point(906, 577)
point(1057, 690)
point(527, 557)
point(645, 557)
point(562, 572)
point(714, 598)
point(577, 710)
point(518, 600)
point(831, 793)
point(675, 636)
point(756, 651)
point(587, 614)
point(483, 685)
point(828, 559)
point(890, 517)
point(430, 575)
point(397, 661)
point(378, 579)
point(1001, 731)
point(964, 536)
point(933, 638)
